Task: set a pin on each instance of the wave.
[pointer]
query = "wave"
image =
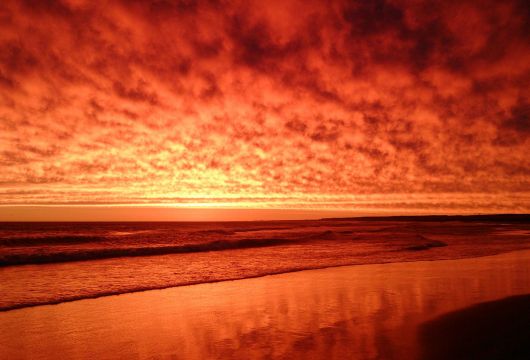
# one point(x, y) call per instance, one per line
point(64, 299)
point(128, 233)
point(105, 253)
point(49, 240)
point(215, 232)
point(325, 235)
point(373, 261)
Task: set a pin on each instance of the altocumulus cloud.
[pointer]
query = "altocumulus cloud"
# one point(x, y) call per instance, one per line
point(388, 104)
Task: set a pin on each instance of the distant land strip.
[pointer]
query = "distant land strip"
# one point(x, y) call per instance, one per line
point(509, 218)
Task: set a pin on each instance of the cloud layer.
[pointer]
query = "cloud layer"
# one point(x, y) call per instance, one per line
point(334, 104)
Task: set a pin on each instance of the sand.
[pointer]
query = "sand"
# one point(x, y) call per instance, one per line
point(491, 330)
point(362, 312)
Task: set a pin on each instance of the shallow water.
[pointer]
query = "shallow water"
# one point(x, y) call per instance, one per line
point(359, 312)
point(40, 262)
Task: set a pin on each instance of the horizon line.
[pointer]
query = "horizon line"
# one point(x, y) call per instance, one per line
point(431, 217)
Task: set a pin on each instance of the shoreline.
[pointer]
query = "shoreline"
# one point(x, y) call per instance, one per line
point(366, 312)
point(142, 290)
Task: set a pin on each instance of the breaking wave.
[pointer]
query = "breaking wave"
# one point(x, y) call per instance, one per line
point(50, 240)
point(105, 253)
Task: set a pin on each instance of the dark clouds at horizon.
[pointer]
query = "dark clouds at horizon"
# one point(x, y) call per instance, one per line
point(339, 104)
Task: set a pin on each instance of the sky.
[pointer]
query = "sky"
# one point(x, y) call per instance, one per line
point(361, 107)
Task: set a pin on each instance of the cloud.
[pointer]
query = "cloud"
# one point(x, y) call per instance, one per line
point(307, 101)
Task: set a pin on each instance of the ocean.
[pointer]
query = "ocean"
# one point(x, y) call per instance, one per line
point(49, 263)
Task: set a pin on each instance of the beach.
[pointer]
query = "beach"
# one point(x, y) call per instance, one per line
point(360, 312)
point(51, 263)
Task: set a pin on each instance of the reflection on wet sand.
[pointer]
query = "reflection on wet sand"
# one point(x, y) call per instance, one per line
point(366, 312)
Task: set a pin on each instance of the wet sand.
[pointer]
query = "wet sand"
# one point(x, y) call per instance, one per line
point(361, 312)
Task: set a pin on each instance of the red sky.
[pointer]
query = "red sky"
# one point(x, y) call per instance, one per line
point(362, 106)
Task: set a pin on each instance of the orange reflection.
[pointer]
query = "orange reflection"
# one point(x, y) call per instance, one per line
point(369, 311)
